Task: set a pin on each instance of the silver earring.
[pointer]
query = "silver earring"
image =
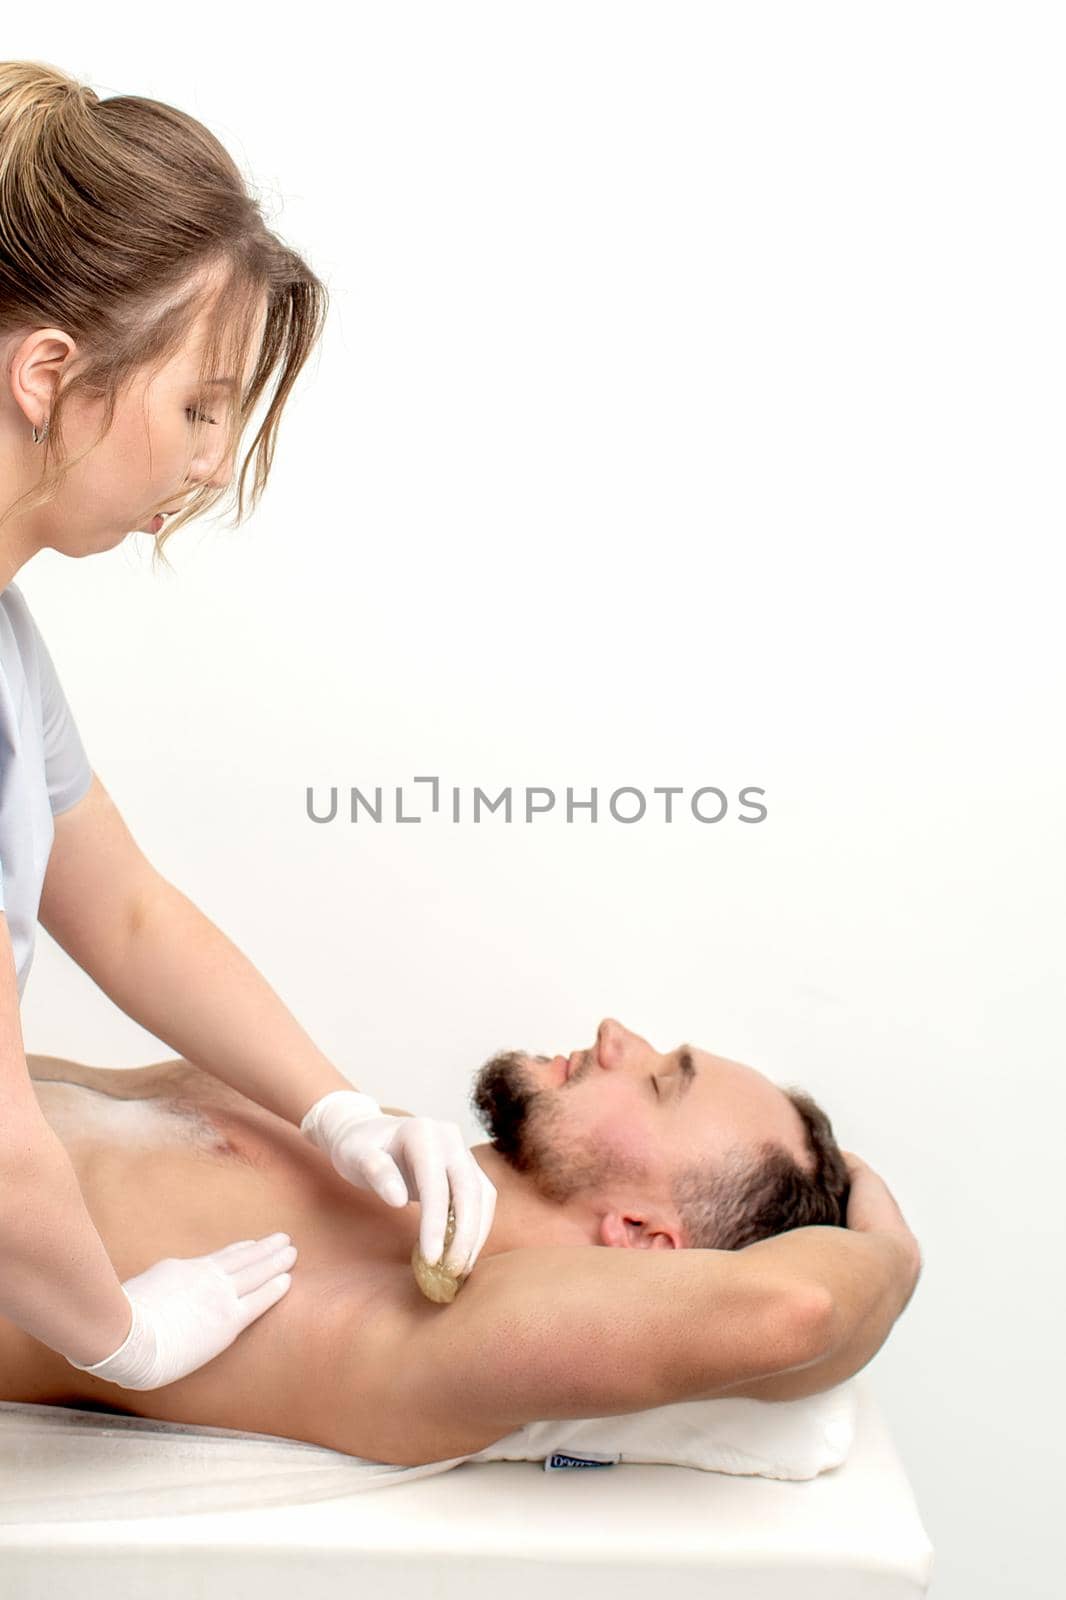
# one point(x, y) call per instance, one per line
point(37, 437)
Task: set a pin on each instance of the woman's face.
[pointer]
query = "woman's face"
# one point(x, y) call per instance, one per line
point(158, 450)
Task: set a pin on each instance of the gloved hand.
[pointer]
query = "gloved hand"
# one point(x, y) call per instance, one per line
point(187, 1310)
point(398, 1158)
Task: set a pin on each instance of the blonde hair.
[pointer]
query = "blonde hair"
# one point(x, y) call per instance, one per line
point(121, 220)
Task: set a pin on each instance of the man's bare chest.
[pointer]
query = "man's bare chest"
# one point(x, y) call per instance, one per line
point(314, 1367)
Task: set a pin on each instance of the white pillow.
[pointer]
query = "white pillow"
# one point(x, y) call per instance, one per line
point(768, 1438)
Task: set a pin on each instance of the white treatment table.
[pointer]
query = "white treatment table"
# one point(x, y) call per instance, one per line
point(508, 1530)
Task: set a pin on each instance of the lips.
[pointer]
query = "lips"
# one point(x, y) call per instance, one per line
point(569, 1064)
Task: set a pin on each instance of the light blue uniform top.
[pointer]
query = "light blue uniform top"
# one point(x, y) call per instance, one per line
point(43, 770)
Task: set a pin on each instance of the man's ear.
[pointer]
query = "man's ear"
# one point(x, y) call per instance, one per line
point(640, 1229)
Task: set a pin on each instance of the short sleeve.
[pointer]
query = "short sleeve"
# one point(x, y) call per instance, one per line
point(66, 763)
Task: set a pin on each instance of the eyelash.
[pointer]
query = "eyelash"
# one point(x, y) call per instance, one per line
point(201, 416)
point(655, 1083)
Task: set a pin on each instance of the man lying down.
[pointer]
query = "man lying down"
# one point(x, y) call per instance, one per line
point(674, 1164)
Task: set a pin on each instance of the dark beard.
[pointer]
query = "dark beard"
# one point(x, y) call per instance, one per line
point(523, 1124)
point(502, 1108)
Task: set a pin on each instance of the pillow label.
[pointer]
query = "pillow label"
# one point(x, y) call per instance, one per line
point(560, 1461)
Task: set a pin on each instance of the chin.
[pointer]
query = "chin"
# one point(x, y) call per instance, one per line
point(89, 546)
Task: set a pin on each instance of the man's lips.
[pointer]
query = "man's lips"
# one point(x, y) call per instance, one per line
point(567, 1065)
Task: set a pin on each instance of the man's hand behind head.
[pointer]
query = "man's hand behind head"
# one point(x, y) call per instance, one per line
point(872, 1209)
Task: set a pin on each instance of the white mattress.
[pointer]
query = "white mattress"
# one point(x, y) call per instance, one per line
point(498, 1531)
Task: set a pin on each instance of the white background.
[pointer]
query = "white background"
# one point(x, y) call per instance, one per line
point(690, 412)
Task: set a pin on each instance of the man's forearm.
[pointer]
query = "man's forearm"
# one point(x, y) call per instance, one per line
point(183, 980)
point(867, 1277)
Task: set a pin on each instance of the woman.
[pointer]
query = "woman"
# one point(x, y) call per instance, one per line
point(145, 308)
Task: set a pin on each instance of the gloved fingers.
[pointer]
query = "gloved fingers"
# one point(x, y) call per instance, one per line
point(385, 1178)
point(439, 1162)
point(474, 1214)
point(362, 1162)
point(253, 1305)
point(234, 1256)
point(253, 1274)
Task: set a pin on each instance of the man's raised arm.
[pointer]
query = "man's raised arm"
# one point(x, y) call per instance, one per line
point(555, 1332)
point(866, 1271)
point(563, 1331)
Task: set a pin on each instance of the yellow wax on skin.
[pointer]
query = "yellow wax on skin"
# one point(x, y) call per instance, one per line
point(435, 1283)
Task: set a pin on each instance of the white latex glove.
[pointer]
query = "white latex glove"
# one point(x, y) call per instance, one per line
point(187, 1310)
point(398, 1158)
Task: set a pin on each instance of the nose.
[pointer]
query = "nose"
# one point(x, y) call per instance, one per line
point(610, 1042)
point(215, 471)
point(222, 476)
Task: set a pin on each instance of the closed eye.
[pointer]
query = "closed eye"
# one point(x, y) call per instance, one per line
point(655, 1085)
point(200, 416)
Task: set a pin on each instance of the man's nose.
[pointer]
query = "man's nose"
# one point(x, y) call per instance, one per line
point(610, 1042)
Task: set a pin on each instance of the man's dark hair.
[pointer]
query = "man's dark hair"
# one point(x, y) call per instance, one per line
point(755, 1197)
